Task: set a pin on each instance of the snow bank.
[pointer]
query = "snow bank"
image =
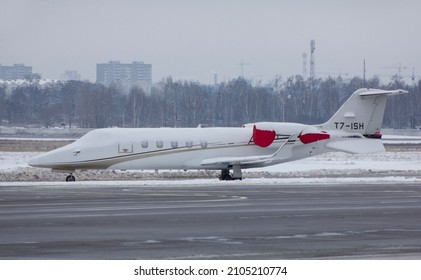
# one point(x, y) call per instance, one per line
point(389, 166)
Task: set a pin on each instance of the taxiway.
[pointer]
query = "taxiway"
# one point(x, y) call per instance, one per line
point(238, 221)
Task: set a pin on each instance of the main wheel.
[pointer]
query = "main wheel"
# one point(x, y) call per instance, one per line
point(225, 175)
point(225, 178)
point(70, 178)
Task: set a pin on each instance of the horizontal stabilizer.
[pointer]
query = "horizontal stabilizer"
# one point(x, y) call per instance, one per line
point(383, 92)
point(357, 146)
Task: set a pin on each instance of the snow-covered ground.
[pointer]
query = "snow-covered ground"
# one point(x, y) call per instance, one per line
point(12, 161)
point(327, 168)
point(388, 161)
point(401, 139)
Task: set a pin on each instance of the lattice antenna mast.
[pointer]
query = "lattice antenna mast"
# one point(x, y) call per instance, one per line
point(242, 64)
point(312, 59)
point(364, 72)
point(304, 66)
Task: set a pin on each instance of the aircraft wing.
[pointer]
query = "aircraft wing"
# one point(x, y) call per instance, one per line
point(228, 161)
point(249, 160)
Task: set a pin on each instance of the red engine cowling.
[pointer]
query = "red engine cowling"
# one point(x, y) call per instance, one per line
point(308, 138)
point(263, 138)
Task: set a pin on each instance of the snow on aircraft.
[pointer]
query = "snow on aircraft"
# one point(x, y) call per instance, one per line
point(354, 128)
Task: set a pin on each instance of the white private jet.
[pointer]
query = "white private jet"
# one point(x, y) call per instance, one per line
point(354, 128)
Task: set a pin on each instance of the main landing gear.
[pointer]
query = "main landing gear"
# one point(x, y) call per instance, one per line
point(236, 174)
point(70, 178)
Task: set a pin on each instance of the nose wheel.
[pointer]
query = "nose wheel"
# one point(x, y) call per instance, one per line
point(70, 178)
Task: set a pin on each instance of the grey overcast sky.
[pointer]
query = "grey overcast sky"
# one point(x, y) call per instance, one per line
point(192, 40)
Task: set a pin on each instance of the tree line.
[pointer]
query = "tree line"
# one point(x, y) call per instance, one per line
point(188, 104)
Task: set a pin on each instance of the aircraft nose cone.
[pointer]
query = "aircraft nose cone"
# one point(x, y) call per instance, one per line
point(43, 160)
point(34, 161)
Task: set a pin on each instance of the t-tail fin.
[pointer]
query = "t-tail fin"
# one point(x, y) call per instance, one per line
point(362, 113)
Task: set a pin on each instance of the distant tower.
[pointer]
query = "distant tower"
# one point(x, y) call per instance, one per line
point(242, 64)
point(304, 66)
point(312, 60)
point(364, 71)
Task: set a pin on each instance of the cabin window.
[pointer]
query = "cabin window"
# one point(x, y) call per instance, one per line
point(189, 144)
point(174, 144)
point(159, 144)
point(203, 144)
point(144, 144)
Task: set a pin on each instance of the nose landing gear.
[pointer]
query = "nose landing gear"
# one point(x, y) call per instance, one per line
point(70, 178)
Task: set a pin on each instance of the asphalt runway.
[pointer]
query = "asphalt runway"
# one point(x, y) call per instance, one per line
point(225, 221)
